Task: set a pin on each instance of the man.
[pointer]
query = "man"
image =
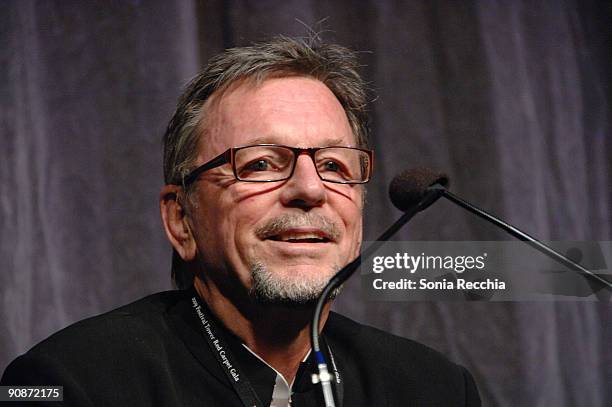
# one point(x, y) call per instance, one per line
point(265, 161)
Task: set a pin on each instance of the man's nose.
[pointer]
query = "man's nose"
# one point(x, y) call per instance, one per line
point(304, 189)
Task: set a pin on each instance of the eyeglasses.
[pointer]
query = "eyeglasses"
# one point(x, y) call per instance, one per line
point(273, 162)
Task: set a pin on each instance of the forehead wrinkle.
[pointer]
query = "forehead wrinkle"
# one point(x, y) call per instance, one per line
point(214, 118)
point(269, 120)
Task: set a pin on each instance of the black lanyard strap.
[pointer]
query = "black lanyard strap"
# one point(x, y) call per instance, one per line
point(226, 359)
point(229, 364)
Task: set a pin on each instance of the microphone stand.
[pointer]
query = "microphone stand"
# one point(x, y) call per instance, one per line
point(324, 377)
point(432, 194)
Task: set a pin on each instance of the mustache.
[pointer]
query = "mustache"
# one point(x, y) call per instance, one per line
point(286, 222)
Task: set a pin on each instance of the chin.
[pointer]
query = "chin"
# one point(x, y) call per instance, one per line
point(298, 286)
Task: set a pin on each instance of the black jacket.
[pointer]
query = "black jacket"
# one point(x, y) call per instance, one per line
point(152, 353)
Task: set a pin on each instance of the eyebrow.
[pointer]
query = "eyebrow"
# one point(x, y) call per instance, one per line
point(275, 140)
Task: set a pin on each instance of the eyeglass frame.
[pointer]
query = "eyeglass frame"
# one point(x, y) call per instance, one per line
point(227, 157)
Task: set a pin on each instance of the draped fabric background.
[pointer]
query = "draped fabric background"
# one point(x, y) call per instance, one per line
point(512, 98)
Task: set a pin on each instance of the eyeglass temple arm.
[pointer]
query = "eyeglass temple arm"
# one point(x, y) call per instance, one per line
point(218, 161)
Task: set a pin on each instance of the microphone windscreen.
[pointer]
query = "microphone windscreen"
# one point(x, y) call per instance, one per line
point(408, 187)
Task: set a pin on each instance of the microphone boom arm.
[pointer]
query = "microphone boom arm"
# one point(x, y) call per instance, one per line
point(519, 234)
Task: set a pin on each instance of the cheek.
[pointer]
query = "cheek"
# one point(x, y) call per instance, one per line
point(211, 223)
point(357, 234)
point(248, 208)
point(236, 209)
point(350, 209)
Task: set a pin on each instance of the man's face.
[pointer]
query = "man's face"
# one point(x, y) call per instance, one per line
point(280, 241)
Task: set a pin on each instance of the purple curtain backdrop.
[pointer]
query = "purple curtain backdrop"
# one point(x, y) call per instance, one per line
point(512, 98)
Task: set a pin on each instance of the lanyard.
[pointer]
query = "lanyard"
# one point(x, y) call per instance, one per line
point(230, 366)
point(226, 359)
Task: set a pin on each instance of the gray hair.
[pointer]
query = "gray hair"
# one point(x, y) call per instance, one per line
point(333, 65)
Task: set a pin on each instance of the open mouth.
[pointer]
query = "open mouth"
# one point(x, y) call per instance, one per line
point(300, 238)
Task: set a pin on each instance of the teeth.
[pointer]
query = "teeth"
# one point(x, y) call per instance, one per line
point(298, 237)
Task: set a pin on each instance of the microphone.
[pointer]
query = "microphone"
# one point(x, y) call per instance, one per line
point(408, 188)
point(411, 191)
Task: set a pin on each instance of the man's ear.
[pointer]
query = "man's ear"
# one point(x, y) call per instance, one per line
point(176, 225)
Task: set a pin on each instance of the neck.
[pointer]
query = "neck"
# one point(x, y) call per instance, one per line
point(278, 334)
